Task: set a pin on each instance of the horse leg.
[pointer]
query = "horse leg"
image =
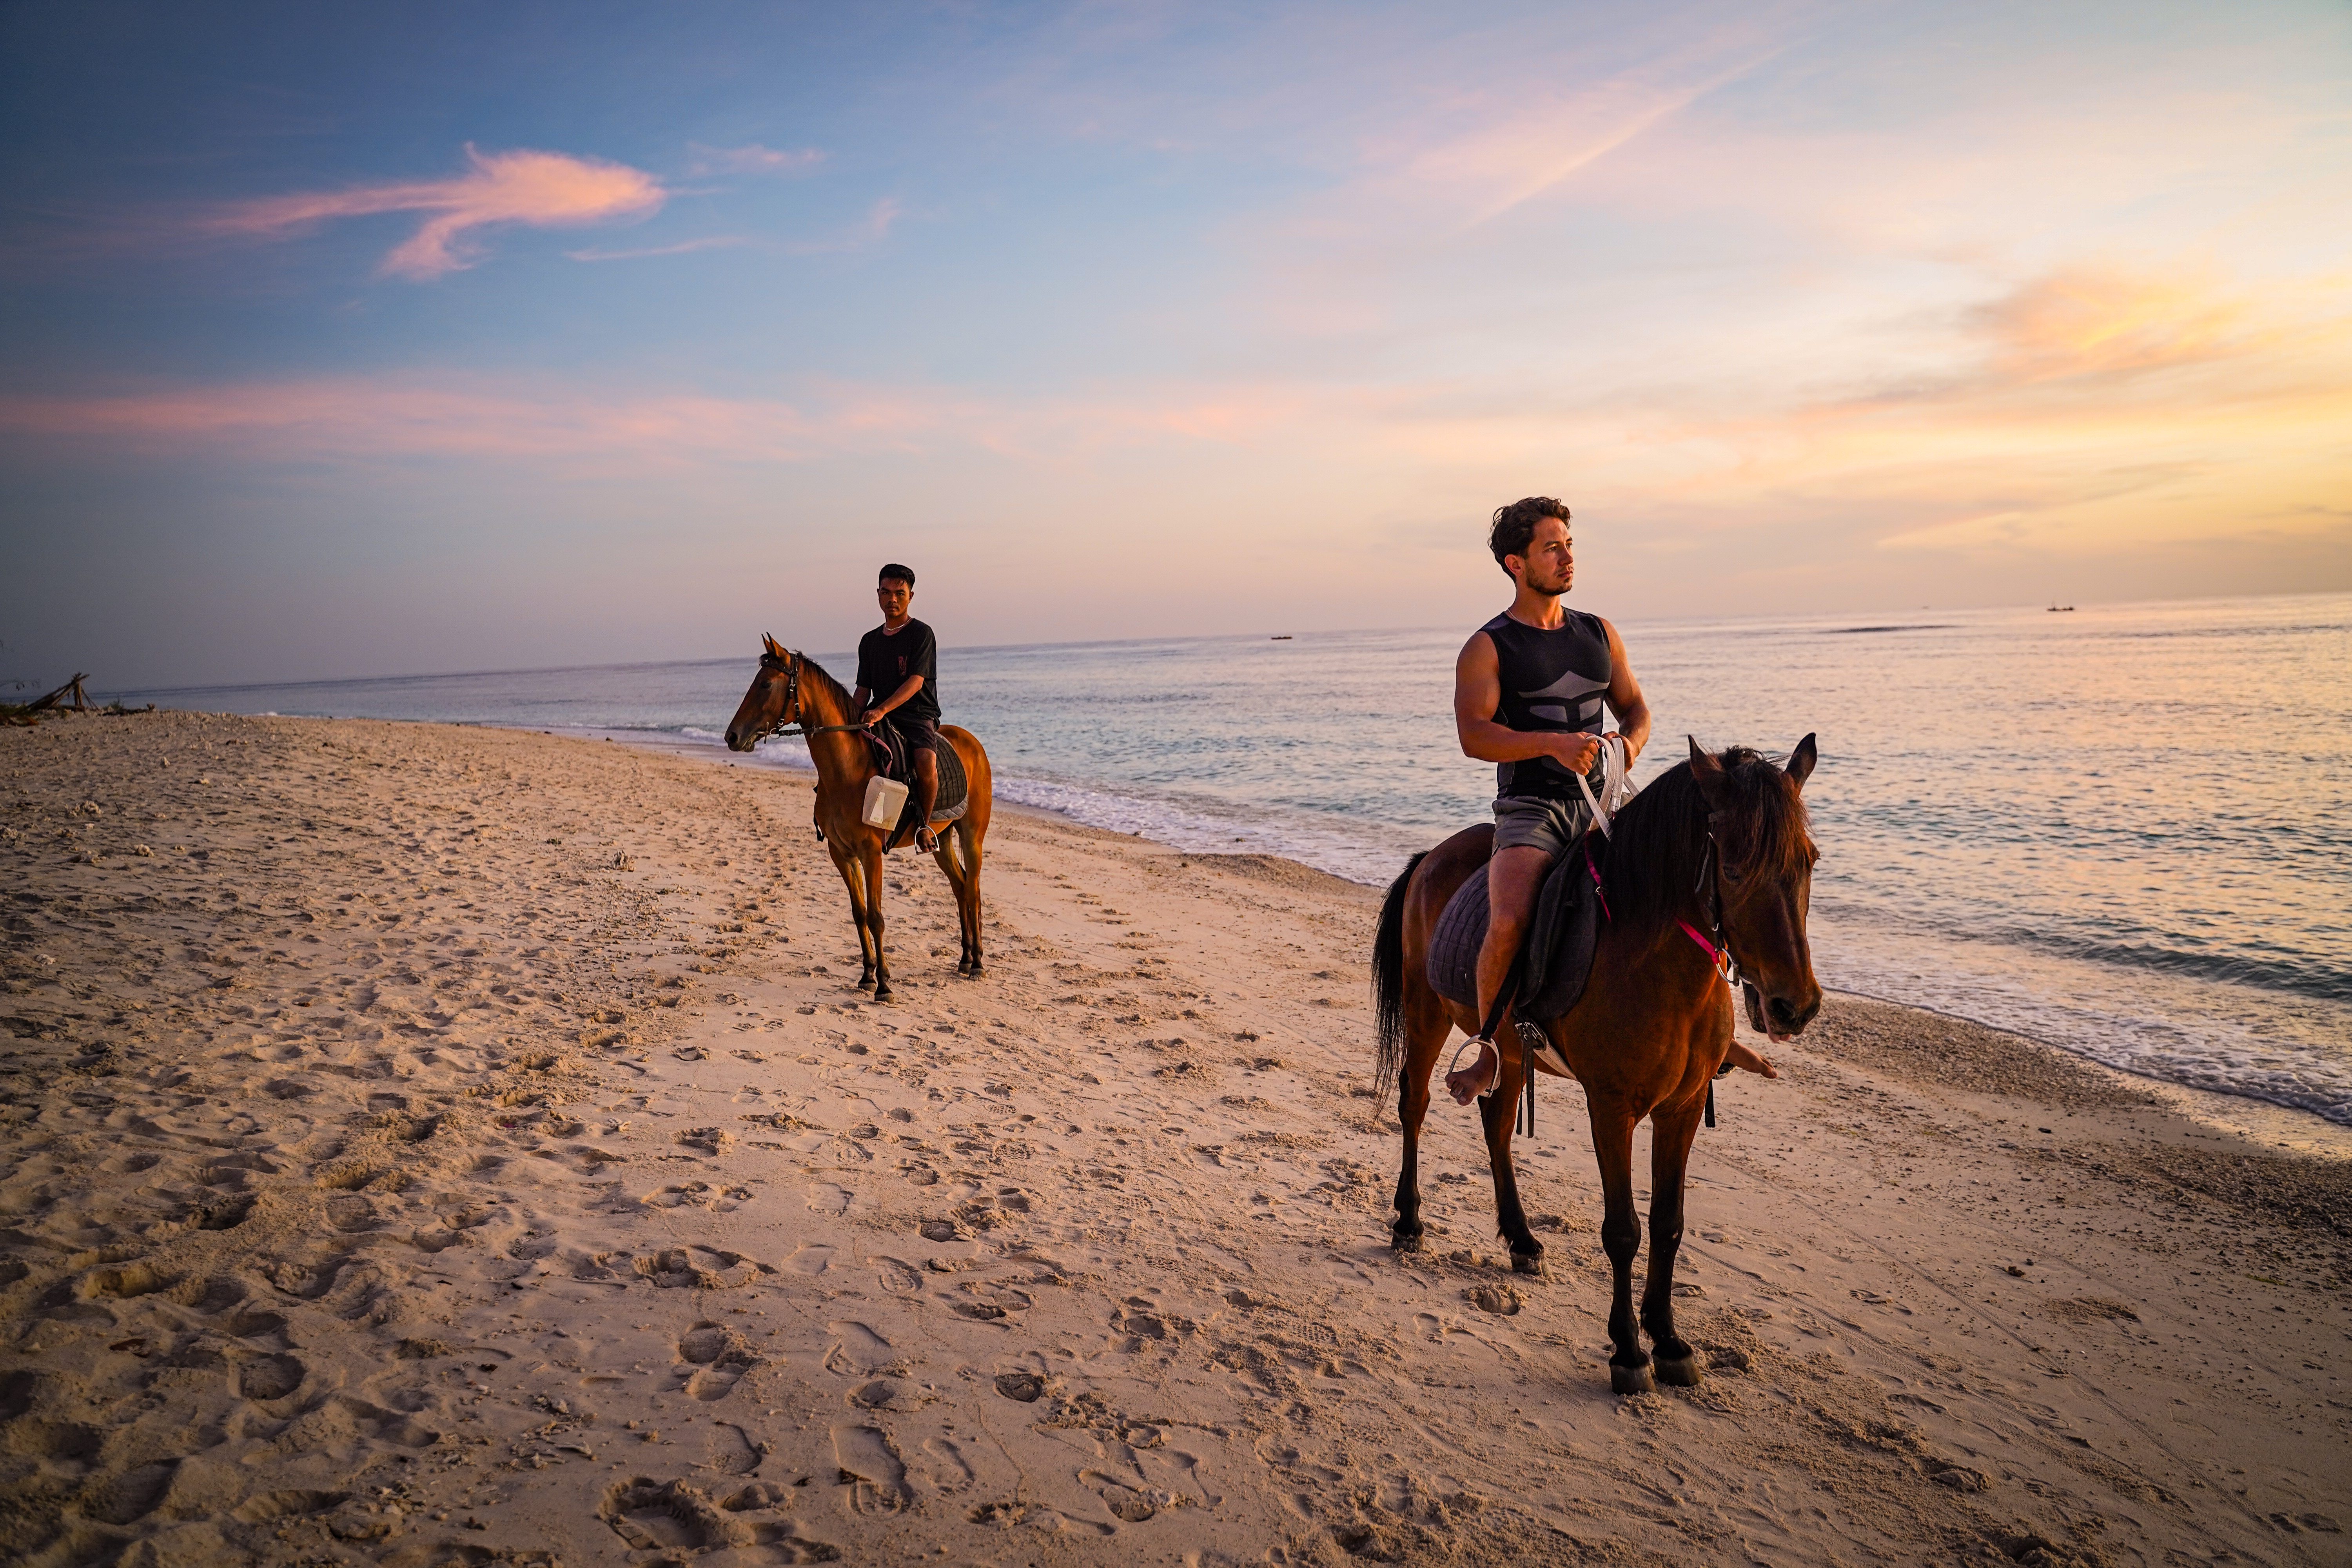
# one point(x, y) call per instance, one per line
point(853, 876)
point(1671, 1135)
point(1500, 1112)
point(1621, 1238)
point(873, 863)
point(952, 868)
point(1426, 1027)
point(964, 876)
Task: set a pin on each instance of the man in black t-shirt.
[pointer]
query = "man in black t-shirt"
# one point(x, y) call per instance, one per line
point(898, 678)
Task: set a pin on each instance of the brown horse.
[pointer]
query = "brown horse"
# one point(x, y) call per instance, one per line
point(791, 690)
point(1714, 855)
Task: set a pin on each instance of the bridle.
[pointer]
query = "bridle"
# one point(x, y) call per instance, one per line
point(1718, 951)
point(790, 668)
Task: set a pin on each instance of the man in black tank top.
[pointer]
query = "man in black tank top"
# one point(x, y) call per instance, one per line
point(1528, 690)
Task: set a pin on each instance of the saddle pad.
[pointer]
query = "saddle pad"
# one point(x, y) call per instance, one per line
point(955, 790)
point(1559, 946)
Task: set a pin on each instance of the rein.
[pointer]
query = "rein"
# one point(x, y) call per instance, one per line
point(791, 715)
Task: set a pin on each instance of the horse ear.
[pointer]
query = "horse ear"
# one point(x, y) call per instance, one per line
point(769, 643)
point(1802, 761)
point(1707, 771)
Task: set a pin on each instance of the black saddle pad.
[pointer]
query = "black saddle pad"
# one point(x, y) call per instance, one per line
point(955, 789)
point(1559, 945)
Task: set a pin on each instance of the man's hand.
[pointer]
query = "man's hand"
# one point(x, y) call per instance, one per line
point(874, 716)
point(1577, 754)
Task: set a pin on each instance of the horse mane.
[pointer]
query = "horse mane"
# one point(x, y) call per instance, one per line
point(1657, 844)
point(813, 674)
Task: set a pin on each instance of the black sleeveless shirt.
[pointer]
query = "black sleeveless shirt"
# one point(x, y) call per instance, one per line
point(1552, 682)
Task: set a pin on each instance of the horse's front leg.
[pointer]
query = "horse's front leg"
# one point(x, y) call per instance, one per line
point(1671, 1136)
point(872, 859)
point(1621, 1238)
point(853, 876)
point(1498, 1112)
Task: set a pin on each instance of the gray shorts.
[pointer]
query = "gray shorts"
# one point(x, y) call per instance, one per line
point(1527, 822)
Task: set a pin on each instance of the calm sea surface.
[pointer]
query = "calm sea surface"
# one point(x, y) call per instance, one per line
point(2125, 831)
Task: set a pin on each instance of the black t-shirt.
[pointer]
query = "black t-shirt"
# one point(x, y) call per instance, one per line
point(885, 659)
point(1553, 682)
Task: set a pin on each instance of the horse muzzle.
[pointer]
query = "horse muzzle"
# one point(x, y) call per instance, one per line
point(736, 742)
point(1779, 1017)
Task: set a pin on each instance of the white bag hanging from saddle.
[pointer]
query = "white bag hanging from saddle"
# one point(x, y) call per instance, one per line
point(885, 799)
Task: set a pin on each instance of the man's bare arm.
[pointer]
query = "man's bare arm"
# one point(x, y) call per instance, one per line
point(1478, 692)
point(1625, 698)
point(906, 690)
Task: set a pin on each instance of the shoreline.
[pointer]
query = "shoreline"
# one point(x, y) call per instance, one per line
point(454, 1141)
point(2260, 1122)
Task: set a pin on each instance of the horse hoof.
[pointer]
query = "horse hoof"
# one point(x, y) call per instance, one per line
point(1400, 1242)
point(1682, 1372)
point(1530, 1263)
point(882, 993)
point(1631, 1380)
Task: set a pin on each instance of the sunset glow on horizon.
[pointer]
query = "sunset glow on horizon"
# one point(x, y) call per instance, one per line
point(467, 340)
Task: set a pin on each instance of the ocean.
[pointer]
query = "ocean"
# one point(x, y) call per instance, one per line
point(2123, 830)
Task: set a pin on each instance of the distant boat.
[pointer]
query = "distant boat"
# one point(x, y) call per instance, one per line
point(2058, 609)
point(1284, 637)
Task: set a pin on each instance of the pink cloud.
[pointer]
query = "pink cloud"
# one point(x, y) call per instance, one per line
point(545, 190)
point(750, 159)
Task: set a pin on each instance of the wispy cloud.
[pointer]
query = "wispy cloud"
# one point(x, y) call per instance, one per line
point(714, 242)
point(544, 190)
point(750, 159)
point(1538, 141)
point(879, 219)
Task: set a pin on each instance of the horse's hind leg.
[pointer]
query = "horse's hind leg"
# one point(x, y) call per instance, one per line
point(1500, 1112)
point(965, 877)
point(1426, 1026)
point(1671, 1135)
point(1621, 1238)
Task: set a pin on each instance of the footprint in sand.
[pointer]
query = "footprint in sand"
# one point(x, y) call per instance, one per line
point(725, 1449)
point(899, 1278)
point(858, 1352)
point(719, 1358)
point(872, 1469)
point(270, 1378)
point(944, 1468)
point(825, 1198)
point(809, 1257)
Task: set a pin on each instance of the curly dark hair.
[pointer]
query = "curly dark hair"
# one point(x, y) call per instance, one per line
point(1515, 525)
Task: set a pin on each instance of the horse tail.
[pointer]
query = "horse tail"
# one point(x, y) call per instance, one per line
point(1387, 976)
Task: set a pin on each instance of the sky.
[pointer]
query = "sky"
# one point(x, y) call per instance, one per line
point(341, 341)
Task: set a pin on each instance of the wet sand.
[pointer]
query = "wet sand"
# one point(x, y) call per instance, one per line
point(437, 1145)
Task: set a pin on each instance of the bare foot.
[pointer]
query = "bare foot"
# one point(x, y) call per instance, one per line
point(1747, 1060)
point(927, 841)
point(1466, 1084)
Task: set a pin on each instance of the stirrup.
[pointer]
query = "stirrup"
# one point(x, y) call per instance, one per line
point(1455, 1065)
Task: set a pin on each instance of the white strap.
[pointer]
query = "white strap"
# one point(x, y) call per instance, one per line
point(1615, 789)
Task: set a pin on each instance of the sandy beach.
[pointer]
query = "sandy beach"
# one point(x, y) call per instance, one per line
point(438, 1145)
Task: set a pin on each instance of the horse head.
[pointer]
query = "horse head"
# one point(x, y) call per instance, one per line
point(1764, 879)
point(772, 692)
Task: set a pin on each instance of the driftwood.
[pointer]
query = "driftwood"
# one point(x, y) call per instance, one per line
point(57, 702)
